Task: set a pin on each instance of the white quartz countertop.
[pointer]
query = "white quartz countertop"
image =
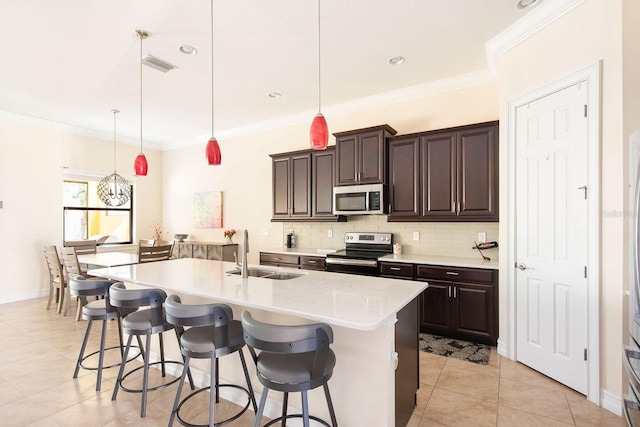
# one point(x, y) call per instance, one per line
point(446, 261)
point(301, 251)
point(351, 301)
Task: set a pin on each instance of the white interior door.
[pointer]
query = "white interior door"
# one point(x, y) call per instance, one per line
point(551, 235)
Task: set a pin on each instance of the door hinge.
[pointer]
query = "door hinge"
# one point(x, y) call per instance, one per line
point(585, 110)
point(585, 354)
point(585, 271)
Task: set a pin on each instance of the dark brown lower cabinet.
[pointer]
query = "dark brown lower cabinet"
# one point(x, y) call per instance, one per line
point(459, 303)
point(304, 262)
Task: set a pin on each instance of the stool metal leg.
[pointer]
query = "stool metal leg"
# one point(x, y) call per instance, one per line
point(213, 399)
point(285, 404)
point(305, 409)
point(121, 370)
point(161, 353)
point(177, 401)
point(103, 339)
point(263, 401)
point(252, 396)
point(332, 413)
point(145, 375)
point(82, 348)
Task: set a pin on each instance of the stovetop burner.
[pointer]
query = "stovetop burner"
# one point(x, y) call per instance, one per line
point(359, 254)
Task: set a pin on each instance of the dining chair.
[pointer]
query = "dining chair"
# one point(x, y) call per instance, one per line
point(72, 268)
point(146, 242)
point(57, 281)
point(291, 358)
point(154, 253)
point(83, 246)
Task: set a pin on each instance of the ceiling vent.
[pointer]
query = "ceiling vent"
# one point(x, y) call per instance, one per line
point(158, 64)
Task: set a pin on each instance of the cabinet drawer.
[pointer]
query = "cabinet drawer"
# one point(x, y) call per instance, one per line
point(455, 274)
point(312, 262)
point(271, 258)
point(396, 269)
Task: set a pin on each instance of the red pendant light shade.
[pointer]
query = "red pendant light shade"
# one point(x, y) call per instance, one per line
point(319, 133)
point(214, 157)
point(140, 166)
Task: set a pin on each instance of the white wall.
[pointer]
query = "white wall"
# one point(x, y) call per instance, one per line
point(32, 158)
point(588, 34)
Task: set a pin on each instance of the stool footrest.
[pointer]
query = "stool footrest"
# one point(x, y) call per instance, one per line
point(311, 417)
point(158, 387)
point(221, 423)
point(91, 368)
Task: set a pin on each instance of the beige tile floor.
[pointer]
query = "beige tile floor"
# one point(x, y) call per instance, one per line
point(38, 349)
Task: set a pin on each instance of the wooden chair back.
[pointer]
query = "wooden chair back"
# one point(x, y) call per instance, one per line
point(82, 246)
point(154, 253)
point(56, 276)
point(146, 242)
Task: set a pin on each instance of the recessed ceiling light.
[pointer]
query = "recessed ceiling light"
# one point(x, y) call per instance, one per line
point(275, 95)
point(524, 4)
point(396, 60)
point(188, 50)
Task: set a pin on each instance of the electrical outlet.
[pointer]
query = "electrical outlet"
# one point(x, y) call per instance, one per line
point(416, 235)
point(482, 237)
point(264, 232)
point(329, 233)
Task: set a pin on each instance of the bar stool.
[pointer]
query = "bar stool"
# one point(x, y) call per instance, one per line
point(291, 359)
point(101, 309)
point(212, 334)
point(145, 322)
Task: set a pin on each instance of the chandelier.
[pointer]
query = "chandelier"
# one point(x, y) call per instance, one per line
point(114, 190)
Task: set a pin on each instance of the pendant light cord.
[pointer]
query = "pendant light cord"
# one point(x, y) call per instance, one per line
point(114, 111)
point(319, 74)
point(141, 35)
point(212, 86)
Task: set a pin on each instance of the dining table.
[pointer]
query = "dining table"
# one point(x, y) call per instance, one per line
point(107, 259)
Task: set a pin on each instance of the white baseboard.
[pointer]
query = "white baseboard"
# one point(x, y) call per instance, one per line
point(611, 402)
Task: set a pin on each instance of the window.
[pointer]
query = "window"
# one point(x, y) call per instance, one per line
point(86, 217)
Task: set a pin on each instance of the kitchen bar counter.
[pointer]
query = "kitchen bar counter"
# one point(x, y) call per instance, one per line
point(362, 311)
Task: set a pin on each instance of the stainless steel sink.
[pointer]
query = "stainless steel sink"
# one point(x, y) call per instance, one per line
point(267, 274)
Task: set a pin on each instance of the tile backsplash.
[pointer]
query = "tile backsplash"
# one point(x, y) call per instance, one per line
point(436, 238)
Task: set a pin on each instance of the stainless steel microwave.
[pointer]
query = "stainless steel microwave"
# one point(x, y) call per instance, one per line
point(366, 199)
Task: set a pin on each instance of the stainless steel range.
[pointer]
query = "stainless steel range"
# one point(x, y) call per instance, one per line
point(361, 253)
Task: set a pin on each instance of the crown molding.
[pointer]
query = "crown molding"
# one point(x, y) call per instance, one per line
point(463, 81)
point(527, 26)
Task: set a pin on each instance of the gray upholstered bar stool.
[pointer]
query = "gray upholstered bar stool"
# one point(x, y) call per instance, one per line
point(143, 322)
point(291, 359)
point(101, 309)
point(212, 334)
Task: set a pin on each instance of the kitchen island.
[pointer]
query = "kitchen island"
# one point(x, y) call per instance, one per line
point(362, 311)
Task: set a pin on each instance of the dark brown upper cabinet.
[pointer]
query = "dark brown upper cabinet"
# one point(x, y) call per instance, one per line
point(303, 186)
point(361, 155)
point(445, 175)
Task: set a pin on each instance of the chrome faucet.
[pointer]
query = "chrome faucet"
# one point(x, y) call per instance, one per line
point(245, 250)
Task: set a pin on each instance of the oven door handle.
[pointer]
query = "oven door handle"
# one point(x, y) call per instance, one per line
point(358, 262)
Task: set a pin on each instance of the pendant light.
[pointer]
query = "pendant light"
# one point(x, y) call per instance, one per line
point(319, 134)
point(214, 157)
point(140, 166)
point(114, 190)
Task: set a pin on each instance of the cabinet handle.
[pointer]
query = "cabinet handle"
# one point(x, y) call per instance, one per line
point(394, 268)
point(449, 288)
point(311, 262)
point(452, 273)
point(455, 292)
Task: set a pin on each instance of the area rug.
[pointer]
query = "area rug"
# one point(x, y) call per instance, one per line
point(458, 349)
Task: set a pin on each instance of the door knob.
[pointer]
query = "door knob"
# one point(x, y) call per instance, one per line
point(521, 266)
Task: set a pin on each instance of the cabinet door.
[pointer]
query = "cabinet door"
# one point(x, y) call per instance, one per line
point(473, 312)
point(371, 158)
point(300, 184)
point(477, 186)
point(346, 152)
point(323, 177)
point(280, 186)
point(438, 175)
point(312, 262)
point(435, 313)
point(404, 178)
